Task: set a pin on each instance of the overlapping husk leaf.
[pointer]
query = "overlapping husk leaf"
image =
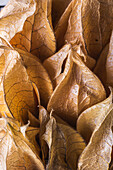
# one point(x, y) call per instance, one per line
point(55, 113)
point(35, 34)
point(88, 23)
point(16, 150)
point(19, 75)
point(78, 90)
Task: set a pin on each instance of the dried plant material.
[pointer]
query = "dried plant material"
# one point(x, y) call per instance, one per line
point(91, 27)
point(104, 67)
point(24, 128)
point(16, 151)
point(67, 31)
point(100, 69)
point(90, 62)
point(32, 135)
point(106, 24)
point(34, 122)
point(54, 64)
point(44, 118)
point(4, 44)
point(92, 117)
point(97, 154)
point(13, 16)
point(97, 25)
point(58, 79)
point(36, 94)
point(36, 36)
point(49, 12)
point(61, 27)
point(109, 63)
point(79, 90)
point(74, 33)
point(87, 23)
point(16, 88)
point(17, 72)
point(38, 75)
point(3, 106)
point(65, 145)
point(58, 7)
point(37, 124)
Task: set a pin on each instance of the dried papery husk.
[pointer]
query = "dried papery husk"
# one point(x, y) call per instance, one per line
point(79, 89)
